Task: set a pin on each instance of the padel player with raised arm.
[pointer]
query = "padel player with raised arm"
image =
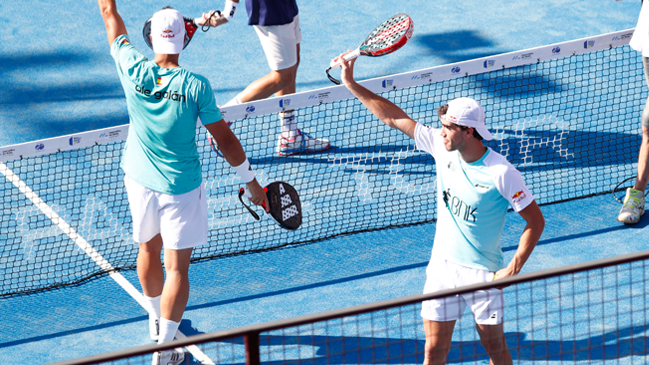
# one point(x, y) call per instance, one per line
point(475, 188)
point(278, 27)
point(160, 159)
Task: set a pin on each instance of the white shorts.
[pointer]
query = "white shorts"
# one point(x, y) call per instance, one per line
point(487, 305)
point(280, 43)
point(181, 219)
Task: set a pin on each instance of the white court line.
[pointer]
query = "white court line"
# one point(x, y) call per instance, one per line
point(90, 251)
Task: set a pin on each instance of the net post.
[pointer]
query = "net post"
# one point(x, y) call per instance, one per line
point(252, 348)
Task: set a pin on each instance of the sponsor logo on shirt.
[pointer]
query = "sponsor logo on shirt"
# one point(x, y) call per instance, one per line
point(458, 207)
point(169, 95)
point(519, 196)
point(125, 41)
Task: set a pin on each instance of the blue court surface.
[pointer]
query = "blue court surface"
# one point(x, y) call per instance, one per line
point(58, 78)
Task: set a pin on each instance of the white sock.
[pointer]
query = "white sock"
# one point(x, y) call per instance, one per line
point(235, 101)
point(153, 306)
point(289, 124)
point(168, 330)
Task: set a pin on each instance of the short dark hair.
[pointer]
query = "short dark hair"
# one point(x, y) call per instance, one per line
point(442, 111)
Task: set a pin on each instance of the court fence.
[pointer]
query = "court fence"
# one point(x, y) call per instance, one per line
point(594, 312)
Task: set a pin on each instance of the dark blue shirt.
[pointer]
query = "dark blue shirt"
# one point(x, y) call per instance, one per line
point(271, 12)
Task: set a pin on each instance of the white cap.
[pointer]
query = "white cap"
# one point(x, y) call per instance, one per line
point(167, 32)
point(468, 113)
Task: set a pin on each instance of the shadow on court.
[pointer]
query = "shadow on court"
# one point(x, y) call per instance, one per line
point(455, 46)
point(371, 350)
point(55, 94)
point(55, 71)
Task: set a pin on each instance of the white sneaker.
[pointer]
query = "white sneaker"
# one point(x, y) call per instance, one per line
point(154, 328)
point(301, 143)
point(170, 357)
point(633, 207)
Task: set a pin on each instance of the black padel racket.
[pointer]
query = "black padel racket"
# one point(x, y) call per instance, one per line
point(388, 37)
point(190, 29)
point(285, 207)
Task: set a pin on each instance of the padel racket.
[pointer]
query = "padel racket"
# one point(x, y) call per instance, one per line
point(190, 29)
point(285, 207)
point(388, 37)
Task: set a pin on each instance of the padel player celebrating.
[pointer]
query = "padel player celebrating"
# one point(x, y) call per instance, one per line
point(475, 187)
point(160, 159)
point(278, 26)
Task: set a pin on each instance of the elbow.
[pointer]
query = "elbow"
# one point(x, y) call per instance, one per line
point(107, 11)
point(540, 222)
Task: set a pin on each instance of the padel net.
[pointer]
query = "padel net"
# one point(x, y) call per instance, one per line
point(560, 113)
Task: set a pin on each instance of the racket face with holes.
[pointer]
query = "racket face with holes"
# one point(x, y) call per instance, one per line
point(285, 207)
point(190, 29)
point(388, 37)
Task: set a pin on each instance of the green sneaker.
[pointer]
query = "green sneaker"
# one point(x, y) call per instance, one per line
point(633, 207)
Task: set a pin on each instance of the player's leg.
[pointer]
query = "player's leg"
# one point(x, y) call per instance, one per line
point(183, 226)
point(643, 158)
point(291, 86)
point(274, 82)
point(633, 206)
point(151, 276)
point(278, 43)
point(492, 338)
point(439, 337)
point(487, 307)
point(440, 314)
point(146, 231)
point(281, 44)
point(175, 293)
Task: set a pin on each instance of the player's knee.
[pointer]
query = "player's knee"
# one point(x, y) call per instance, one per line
point(283, 77)
point(494, 345)
point(435, 350)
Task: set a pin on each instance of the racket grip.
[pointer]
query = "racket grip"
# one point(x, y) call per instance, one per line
point(245, 192)
point(348, 57)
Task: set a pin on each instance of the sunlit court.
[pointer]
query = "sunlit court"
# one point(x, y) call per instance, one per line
point(563, 106)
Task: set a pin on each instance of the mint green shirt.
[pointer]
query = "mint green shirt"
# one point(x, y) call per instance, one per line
point(163, 107)
point(472, 202)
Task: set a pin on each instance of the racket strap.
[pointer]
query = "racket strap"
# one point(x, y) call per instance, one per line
point(209, 21)
point(331, 78)
point(254, 214)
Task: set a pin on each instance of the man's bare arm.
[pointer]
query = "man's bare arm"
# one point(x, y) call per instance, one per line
point(114, 23)
point(382, 108)
point(529, 238)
